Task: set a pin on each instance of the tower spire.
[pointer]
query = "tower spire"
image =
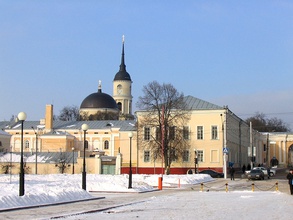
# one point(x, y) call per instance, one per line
point(122, 65)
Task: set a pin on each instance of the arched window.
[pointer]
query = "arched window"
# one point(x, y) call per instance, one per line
point(27, 144)
point(119, 89)
point(119, 106)
point(106, 145)
point(86, 144)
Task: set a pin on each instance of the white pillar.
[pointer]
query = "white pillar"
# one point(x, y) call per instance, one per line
point(118, 164)
point(280, 151)
point(98, 163)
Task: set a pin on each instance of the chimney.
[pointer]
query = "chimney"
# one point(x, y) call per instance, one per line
point(49, 117)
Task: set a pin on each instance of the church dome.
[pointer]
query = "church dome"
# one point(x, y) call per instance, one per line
point(99, 100)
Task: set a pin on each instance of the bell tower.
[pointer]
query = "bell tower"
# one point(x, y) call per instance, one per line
point(122, 88)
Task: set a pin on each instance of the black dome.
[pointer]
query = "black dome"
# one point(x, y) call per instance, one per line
point(122, 75)
point(99, 100)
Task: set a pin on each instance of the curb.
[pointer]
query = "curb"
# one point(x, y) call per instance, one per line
point(51, 204)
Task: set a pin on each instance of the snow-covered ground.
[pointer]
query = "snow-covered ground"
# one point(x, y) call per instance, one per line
point(244, 204)
point(55, 188)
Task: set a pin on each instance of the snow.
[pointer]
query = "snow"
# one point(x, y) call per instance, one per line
point(58, 188)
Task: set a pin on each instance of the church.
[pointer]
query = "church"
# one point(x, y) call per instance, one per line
point(118, 106)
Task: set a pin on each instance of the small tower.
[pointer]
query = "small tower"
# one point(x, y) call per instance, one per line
point(122, 89)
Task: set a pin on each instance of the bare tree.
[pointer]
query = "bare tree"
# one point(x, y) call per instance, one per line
point(6, 165)
point(99, 116)
point(69, 113)
point(263, 124)
point(63, 162)
point(163, 109)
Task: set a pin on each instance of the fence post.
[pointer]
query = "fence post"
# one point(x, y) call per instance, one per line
point(201, 187)
point(252, 187)
point(226, 187)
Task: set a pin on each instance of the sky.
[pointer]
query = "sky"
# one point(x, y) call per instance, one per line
point(215, 204)
point(235, 53)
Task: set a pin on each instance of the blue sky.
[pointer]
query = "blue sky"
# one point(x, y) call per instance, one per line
point(235, 53)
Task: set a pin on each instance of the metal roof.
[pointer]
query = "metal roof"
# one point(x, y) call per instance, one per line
point(198, 104)
point(126, 125)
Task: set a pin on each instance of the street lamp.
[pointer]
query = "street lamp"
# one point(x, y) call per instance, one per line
point(84, 127)
point(21, 117)
point(195, 161)
point(73, 160)
point(130, 168)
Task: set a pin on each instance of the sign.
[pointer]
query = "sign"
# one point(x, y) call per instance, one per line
point(225, 150)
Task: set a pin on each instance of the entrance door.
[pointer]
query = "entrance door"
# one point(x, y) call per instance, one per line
point(108, 169)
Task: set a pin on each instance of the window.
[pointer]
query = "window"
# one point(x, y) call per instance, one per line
point(264, 147)
point(158, 133)
point(119, 104)
point(185, 156)
point(185, 133)
point(147, 134)
point(119, 89)
point(200, 132)
point(106, 145)
point(0, 144)
point(146, 156)
point(86, 144)
point(214, 132)
point(172, 133)
point(173, 154)
point(27, 144)
point(199, 156)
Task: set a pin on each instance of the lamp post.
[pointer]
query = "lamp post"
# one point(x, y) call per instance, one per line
point(21, 117)
point(84, 127)
point(73, 160)
point(130, 168)
point(195, 161)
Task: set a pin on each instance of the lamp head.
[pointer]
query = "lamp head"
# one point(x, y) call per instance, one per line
point(84, 127)
point(21, 116)
point(130, 134)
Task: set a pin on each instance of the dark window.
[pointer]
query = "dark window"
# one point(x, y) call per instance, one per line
point(214, 132)
point(185, 156)
point(146, 157)
point(147, 134)
point(27, 144)
point(172, 133)
point(106, 145)
point(200, 132)
point(185, 133)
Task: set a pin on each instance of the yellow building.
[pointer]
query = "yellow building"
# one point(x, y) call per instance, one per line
point(213, 132)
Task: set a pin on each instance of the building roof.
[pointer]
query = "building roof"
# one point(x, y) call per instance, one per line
point(3, 133)
point(198, 104)
point(126, 125)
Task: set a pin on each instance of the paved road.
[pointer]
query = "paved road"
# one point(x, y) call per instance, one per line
point(120, 199)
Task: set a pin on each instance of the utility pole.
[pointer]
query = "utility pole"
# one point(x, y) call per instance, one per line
point(267, 149)
point(251, 145)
